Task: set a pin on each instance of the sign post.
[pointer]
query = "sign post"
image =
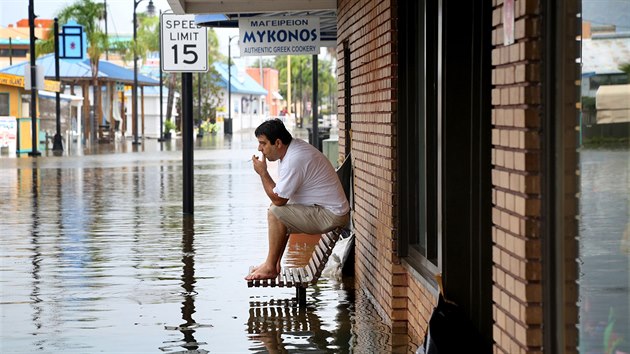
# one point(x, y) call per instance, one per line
point(184, 48)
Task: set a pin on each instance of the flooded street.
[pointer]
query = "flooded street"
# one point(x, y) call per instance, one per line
point(604, 250)
point(97, 256)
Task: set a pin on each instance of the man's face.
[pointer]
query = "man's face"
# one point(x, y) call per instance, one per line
point(267, 148)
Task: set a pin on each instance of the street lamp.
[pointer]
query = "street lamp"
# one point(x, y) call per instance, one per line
point(227, 127)
point(134, 93)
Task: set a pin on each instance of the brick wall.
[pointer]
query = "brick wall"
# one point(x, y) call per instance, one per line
point(368, 29)
point(517, 119)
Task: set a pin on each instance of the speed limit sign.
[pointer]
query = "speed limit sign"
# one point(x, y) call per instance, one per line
point(184, 45)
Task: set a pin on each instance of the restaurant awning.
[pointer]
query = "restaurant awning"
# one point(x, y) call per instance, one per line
point(613, 104)
point(225, 13)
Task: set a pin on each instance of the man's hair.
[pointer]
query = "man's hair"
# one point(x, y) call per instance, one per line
point(274, 129)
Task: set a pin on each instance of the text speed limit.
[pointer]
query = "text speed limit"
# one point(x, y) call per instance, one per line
point(184, 44)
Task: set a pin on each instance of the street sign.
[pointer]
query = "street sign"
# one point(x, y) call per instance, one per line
point(279, 35)
point(184, 45)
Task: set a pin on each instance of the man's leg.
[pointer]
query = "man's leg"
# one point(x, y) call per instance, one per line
point(278, 239)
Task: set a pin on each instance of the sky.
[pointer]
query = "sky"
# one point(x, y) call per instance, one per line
point(118, 22)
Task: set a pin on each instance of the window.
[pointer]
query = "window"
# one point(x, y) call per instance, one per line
point(4, 104)
point(444, 150)
point(419, 123)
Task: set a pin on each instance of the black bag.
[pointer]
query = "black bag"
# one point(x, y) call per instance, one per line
point(450, 331)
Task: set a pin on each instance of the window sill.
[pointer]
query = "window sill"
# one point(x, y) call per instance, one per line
point(421, 272)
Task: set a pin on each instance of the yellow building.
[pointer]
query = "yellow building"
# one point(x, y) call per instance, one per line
point(15, 125)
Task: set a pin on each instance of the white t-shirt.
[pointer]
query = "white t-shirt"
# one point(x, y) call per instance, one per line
point(305, 176)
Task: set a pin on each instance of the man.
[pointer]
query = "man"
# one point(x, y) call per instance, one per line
point(307, 198)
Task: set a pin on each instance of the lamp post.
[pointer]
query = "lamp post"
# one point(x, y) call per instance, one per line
point(227, 127)
point(134, 93)
point(33, 71)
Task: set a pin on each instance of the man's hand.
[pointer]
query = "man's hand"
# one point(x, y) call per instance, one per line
point(260, 165)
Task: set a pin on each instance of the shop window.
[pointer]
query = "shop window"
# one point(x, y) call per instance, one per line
point(419, 236)
point(4, 104)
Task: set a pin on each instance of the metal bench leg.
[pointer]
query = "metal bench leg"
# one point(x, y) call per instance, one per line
point(300, 293)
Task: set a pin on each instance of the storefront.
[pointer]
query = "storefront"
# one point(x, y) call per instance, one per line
point(15, 115)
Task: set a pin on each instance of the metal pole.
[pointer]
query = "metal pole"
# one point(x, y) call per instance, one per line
point(106, 33)
point(57, 145)
point(314, 105)
point(10, 51)
point(187, 137)
point(161, 84)
point(227, 127)
point(134, 93)
point(228, 124)
point(34, 137)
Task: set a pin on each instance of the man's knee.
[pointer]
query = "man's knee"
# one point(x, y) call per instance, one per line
point(270, 213)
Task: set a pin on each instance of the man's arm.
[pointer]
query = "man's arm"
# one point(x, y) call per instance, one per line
point(269, 185)
point(260, 166)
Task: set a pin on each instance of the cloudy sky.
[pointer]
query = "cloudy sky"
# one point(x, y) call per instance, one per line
point(615, 12)
point(118, 22)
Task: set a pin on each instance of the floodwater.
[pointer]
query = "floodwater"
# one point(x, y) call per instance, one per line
point(97, 256)
point(604, 251)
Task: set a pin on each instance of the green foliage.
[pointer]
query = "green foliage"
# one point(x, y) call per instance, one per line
point(302, 78)
point(86, 13)
point(588, 103)
point(147, 39)
point(169, 126)
point(608, 142)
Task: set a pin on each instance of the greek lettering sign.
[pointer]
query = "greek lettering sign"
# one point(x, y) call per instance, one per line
point(184, 44)
point(279, 35)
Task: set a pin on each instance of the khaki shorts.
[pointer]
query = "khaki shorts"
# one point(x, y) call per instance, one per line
point(308, 219)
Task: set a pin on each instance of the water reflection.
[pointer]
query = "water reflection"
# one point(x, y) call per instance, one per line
point(605, 262)
point(189, 343)
point(36, 257)
point(97, 257)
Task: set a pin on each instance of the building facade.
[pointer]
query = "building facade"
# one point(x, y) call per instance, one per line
point(460, 118)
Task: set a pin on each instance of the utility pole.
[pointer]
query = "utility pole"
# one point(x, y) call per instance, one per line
point(57, 145)
point(34, 137)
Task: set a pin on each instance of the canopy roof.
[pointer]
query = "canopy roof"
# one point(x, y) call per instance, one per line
point(613, 104)
point(225, 13)
point(80, 71)
point(241, 82)
point(604, 53)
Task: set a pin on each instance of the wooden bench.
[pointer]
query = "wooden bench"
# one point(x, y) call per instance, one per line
point(301, 277)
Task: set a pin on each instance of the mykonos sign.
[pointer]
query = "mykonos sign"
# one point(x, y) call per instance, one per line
point(279, 36)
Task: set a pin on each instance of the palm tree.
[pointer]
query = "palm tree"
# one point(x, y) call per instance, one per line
point(88, 14)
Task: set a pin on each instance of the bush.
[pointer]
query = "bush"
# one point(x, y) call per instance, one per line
point(169, 126)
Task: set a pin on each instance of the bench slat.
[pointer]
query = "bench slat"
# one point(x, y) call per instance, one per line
point(287, 277)
point(309, 274)
point(305, 279)
point(294, 276)
point(328, 240)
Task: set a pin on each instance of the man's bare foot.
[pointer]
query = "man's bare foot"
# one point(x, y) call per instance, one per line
point(255, 268)
point(262, 272)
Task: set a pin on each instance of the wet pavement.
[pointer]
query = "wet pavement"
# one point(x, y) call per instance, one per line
point(97, 256)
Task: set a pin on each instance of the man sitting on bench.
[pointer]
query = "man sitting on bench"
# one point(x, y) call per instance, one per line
point(307, 198)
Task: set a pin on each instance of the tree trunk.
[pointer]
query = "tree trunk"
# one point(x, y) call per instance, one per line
point(98, 114)
point(172, 81)
point(85, 87)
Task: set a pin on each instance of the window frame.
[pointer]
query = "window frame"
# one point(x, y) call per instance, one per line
point(420, 243)
point(8, 97)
